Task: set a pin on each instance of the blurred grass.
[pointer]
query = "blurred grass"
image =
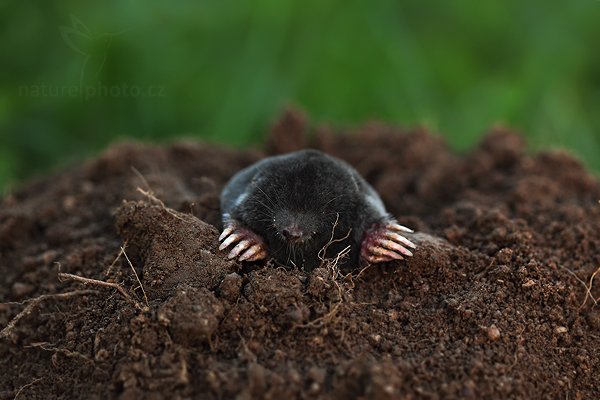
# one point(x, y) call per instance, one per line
point(222, 71)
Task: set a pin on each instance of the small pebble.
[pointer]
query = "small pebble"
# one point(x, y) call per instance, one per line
point(493, 332)
point(529, 283)
point(20, 290)
point(69, 203)
point(561, 329)
point(314, 388)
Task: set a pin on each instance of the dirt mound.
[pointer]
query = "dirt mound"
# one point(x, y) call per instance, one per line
point(494, 304)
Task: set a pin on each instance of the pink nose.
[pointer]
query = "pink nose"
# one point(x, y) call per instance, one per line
point(292, 233)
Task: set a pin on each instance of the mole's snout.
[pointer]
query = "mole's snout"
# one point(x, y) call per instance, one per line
point(293, 233)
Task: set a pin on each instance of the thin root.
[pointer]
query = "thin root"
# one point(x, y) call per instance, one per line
point(332, 266)
point(26, 386)
point(152, 197)
point(323, 251)
point(89, 281)
point(588, 290)
point(109, 269)
point(32, 303)
point(49, 347)
point(150, 194)
point(362, 271)
point(135, 273)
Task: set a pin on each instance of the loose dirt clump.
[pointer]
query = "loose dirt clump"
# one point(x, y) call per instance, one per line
point(112, 285)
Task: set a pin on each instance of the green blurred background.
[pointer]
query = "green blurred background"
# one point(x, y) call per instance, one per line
point(76, 75)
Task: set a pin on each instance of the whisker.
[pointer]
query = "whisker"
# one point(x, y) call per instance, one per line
point(266, 195)
point(266, 219)
point(263, 204)
point(328, 202)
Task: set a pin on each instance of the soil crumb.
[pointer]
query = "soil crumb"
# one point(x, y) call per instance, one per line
point(499, 300)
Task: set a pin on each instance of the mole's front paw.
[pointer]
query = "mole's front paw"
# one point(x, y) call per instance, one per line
point(248, 245)
point(382, 242)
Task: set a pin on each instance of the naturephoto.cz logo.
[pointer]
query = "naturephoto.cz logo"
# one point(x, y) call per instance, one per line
point(93, 50)
point(90, 91)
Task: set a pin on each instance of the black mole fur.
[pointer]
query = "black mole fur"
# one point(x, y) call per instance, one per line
point(309, 189)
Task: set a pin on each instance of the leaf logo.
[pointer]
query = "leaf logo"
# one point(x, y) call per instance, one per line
point(94, 48)
point(76, 36)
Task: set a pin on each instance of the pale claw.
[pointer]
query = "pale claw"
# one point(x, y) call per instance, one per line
point(231, 239)
point(248, 246)
point(380, 251)
point(241, 246)
point(226, 233)
point(397, 227)
point(248, 254)
point(376, 259)
point(382, 243)
point(259, 256)
point(390, 244)
point(400, 238)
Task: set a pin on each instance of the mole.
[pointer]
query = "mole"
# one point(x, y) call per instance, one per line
point(304, 207)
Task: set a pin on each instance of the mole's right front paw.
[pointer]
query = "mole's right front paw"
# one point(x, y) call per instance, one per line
point(248, 245)
point(383, 242)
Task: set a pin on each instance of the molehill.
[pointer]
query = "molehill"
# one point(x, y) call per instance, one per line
point(112, 285)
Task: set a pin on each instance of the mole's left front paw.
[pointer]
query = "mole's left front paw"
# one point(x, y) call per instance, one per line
point(382, 242)
point(248, 245)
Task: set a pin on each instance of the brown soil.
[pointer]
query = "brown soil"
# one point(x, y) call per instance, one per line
point(494, 304)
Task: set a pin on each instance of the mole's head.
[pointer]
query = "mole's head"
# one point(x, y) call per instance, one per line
point(298, 206)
